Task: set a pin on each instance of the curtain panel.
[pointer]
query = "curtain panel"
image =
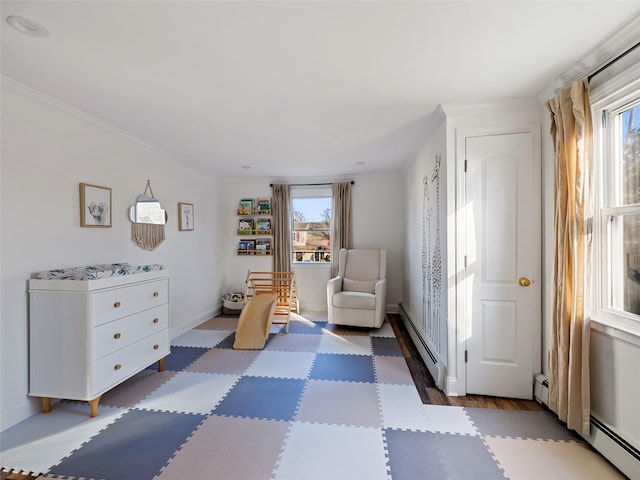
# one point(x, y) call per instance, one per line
point(341, 222)
point(281, 228)
point(571, 131)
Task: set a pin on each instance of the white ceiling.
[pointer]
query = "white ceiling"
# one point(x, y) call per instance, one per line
point(295, 88)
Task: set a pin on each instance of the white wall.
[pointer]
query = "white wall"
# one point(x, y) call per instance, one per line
point(47, 150)
point(377, 223)
point(448, 344)
point(236, 267)
point(414, 218)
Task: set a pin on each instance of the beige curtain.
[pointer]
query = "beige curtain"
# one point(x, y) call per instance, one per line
point(281, 228)
point(341, 222)
point(571, 130)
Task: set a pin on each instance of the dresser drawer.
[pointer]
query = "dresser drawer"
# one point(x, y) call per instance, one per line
point(116, 367)
point(117, 334)
point(111, 304)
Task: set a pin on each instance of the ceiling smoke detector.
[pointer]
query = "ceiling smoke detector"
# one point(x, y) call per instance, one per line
point(26, 26)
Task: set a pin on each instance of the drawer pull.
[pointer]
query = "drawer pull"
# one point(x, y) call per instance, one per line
point(156, 346)
point(117, 336)
point(156, 320)
point(117, 304)
point(117, 366)
point(155, 294)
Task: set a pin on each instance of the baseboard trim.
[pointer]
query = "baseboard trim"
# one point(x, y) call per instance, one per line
point(433, 364)
point(184, 327)
point(14, 415)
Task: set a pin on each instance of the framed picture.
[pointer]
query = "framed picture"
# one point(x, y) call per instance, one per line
point(95, 206)
point(185, 216)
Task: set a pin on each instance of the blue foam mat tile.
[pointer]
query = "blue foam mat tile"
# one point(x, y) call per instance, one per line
point(228, 342)
point(262, 397)
point(307, 328)
point(134, 447)
point(180, 358)
point(343, 367)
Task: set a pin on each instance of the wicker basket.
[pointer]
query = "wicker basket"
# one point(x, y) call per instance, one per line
point(232, 308)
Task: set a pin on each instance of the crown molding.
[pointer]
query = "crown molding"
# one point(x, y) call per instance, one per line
point(492, 106)
point(624, 38)
point(43, 97)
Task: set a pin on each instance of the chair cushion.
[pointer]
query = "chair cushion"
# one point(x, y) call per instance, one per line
point(362, 265)
point(359, 300)
point(368, 286)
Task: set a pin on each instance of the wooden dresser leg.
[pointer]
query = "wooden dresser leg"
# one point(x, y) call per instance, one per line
point(46, 404)
point(93, 405)
point(161, 364)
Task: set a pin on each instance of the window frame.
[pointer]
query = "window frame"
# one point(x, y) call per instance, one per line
point(309, 191)
point(610, 97)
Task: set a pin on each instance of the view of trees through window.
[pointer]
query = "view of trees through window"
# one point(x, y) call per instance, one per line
point(630, 179)
point(311, 229)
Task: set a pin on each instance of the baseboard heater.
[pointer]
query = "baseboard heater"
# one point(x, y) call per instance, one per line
point(604, 438)
point(434, 365)
point(619, 451)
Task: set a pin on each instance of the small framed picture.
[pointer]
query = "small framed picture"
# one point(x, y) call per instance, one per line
point(95, 206)
point(185, 216)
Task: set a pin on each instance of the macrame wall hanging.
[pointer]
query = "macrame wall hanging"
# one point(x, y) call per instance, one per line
point(147, 220)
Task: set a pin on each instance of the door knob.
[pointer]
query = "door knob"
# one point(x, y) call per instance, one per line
point(524, 281)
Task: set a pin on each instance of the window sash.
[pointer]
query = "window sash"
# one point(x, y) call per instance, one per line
point(310, 256)
point(614, 280)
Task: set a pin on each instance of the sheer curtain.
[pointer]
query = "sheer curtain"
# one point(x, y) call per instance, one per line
point(341, 222)
point(571, 130)
point(281, 228)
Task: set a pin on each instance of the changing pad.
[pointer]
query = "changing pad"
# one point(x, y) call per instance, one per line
point(94, 272)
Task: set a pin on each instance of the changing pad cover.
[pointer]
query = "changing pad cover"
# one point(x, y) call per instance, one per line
point(94, 272)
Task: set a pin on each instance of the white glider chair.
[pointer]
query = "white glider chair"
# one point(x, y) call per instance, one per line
point(357, 295)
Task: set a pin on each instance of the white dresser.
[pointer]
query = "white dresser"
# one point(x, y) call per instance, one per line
point(87, 336)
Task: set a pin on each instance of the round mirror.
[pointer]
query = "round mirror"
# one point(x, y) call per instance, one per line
point(147, 210)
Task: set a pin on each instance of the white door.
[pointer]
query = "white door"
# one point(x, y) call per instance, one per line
point(502, 256)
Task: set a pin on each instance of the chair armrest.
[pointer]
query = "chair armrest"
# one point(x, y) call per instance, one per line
point(381, 301)
point(381, 287)
point(334, 285)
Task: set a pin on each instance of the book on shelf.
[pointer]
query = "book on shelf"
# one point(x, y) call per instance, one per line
point(246, 247)
point(246, 206)
point(263, 246)
point(263, 225)
point(246, 226)
point(263, 205)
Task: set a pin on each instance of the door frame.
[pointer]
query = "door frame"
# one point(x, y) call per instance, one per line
point(458, 330)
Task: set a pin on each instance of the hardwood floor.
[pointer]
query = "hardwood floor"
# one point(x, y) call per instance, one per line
point(427, 387)
point(15, 476)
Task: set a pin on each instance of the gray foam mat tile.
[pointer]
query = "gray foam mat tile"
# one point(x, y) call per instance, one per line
point(385, 346)
point(519, 424)
point(413, 455)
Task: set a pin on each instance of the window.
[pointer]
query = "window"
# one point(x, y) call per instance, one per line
point(621, 207)
point(311, 227)
point(617, 223)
